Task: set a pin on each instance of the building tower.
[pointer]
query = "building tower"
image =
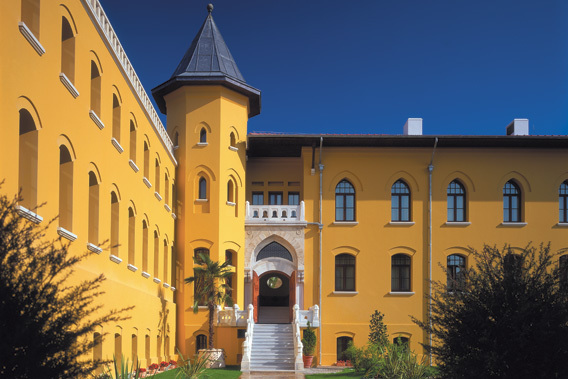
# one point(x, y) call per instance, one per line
point(208, 104)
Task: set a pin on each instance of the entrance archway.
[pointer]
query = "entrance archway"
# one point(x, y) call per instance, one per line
point(274, 298)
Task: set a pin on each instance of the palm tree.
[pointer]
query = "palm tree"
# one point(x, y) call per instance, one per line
point(210, 287)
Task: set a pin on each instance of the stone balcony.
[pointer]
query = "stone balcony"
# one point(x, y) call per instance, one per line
point(291, 215)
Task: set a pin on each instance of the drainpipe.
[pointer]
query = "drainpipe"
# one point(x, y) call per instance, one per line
point(430, 170)
point(320, 227)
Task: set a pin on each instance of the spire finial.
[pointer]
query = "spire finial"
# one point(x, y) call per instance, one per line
point(209, 8)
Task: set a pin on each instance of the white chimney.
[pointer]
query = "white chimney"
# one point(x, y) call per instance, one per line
point(413, 127)
point(519, 127)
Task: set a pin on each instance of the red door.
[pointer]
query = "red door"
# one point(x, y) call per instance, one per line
point(292, 295)
point(255, 287)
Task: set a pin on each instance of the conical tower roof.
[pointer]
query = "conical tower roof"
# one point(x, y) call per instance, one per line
point(208, 61)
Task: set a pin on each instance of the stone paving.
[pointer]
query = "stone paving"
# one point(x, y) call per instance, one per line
point(291, 374)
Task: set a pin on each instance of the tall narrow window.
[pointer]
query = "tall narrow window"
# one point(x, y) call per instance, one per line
point(118, 348)
point(198, 284)
point(134, 348)
point(28, 160)
point(147, 347)
point(95, 89)
point(230, 192)
point(275, 198)
point(293, 198)
point(344, 201)
point(342, 345)
point(131, 236)
point(30, 15)
point(67, 50)
point(144, 246)
point(146, 161)
point(98, 350)
point(202, 188)
point(511, 202)
point(166, 260)
point(456, 202)
point(563, 202)
point(167, 189)
point(400, 273)
point(344, 272)
point(176, 139)
point(200, 343)
point(94, 189)
point(114, 224)
point(156, 255)
point(455, 272)
point(233, 140)
point(65, 189)
point(203, 136)
point(257, 198)
point(197, 253)
point(132, 141)
point(115, 118)
point(229, 257)
point(400, 201)
point(157, 176)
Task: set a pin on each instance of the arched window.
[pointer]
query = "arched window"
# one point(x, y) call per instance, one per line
point(230, 192)
point(342, 345)
point(67, 50)
point(400, 201)
point(30, 15)
point(197, 254)
point(203, 136)
point(65, 189)
point(229, 283)
point(93, 209)
point(131, 236)
point(114, 224)
point(202, 188)
point(95, 89)
point(233, 140)
point(456, 202)
point(563, 202)
point(166, 261)
point(344, 272)
point(118, 348)
point(157, 176)
point(97, 350)
point(132, 141)
point(28, 160)
point(156, 254)
point(198, 284)
point(274, 250)
point(115, 118)
point(455, 272)
point(400, 273)
point(134, 348)
point(401, 340)
point(166, 189)
point(146, 161)
point(200, 343)
point(511, 202)
point(176, 139)
point(229, 257)
point(344, 201)
point(144, 246)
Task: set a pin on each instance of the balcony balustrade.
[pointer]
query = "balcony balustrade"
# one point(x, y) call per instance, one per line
point(275, 214)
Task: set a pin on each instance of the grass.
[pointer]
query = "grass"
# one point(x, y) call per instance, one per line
point(346, 373)
point(229, 372)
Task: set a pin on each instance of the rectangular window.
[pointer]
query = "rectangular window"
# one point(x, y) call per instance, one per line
point(275, 198)
point(293, 198)
point(257, 198)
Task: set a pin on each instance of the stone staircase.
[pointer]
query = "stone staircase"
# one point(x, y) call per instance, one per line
point(272, 348)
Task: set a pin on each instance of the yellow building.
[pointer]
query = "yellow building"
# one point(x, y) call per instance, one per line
point(340, 225)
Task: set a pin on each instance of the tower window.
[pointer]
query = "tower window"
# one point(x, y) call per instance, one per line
point(95, 89)
point(202, 188)
point(344, 201)
point(456, 202)
point(28, 160)
point(511, 202)
point(563, 201)
point(203, 136)
point(67, 50)
point(400, 201)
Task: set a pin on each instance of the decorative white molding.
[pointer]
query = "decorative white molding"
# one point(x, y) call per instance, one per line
point(174, 216)
point(158, 196)
point(67, 83)
point(96, 119)
point(346, 223)
point(29, 215)
point(167, 207)
point(201, 200)
point(345, 293)
point(172, 288)
point(133, 165)
point(116, 145)
point(147, 182)
point(514, 224)
point(232, 148)
point(27, 33)
point(230, 203)
point(132, 267)
point(115, 259)
point(202, 144)
point(289, 215)
point(94, 248)
point(101, 21)
point(458, 223)
point(397, 293)
point(145, 274)
point(166, 285)
point(156, 280)
point(66, 234)
point(401, 223)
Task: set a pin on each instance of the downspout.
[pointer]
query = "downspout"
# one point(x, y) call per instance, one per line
point(320, 227)
point(430, 170)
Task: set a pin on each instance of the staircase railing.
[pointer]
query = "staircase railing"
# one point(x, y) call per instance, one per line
point(247, 344)
point(298, 346)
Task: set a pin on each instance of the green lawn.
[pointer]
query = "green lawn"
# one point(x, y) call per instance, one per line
point(229, 372)
point(347, 373)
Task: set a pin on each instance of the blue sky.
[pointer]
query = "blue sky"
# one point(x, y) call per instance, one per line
point(465, 67)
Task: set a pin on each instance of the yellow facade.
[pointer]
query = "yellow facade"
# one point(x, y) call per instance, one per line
point(90, 146)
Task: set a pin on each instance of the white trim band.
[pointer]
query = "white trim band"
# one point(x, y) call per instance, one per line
point(66, 234)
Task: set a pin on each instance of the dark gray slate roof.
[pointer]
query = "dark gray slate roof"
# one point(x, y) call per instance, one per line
point(208, 61)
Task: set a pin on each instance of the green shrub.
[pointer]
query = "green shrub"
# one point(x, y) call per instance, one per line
point(309, 341)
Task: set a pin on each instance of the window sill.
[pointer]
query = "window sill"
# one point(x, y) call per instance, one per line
point(401, 223)
point(174, 216)
point(346, 223)
point(562, 224)
point(203, 307)
point(458, 223)
point(201, 200)
point(67, 83)
point(96, 119)
point(115, 259)
point(66, 234)
point(514, 224)
point(28, 35)
point(132, 268)
point(400, 293)
point(133, 165)
point(166, 285)
point(145, 274)
point(202, 144)
point(29, 215)
point(167, 207)
point(232, 148)
point(116, 145)
point(157, 281)
point(158, 196)
point(94, 248)
point(345, 293)
point(231, 203)
point(173, 288)
point(147, 182)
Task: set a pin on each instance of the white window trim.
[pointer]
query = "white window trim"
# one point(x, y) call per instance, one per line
point(67, 83)
point(29, 215)
point(167, 207)
point(147, 182)
point(145, 274)
point(201, 200)
point(174, 216)
point(401, 293)
point(66, 234)
point(94, 248)
point(231, 203)
point(158, 196)
point(202, 144)
point(96, 119)
point(166, 285)
point(346, 223)
point(116, 145)
point(562, 224)
point(156, 280)
point(514, 224)
point(345, 293)
point(401, 223)
point(458, 223)
point(115, 259)
point(32, 39)
point(233, 148)
point(173, 288)
point(133, 165)
point(132, 268)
